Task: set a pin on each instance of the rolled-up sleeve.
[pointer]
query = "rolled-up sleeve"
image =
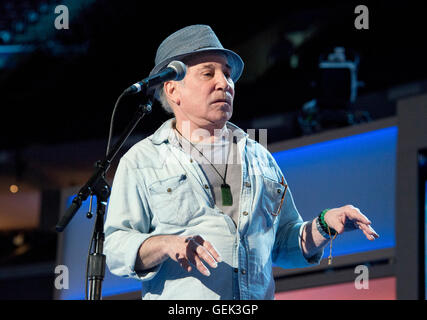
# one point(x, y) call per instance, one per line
point(128, 223)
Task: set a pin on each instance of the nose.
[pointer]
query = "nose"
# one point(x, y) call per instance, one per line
point(224, 83)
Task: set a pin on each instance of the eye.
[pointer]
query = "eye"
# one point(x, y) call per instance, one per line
point(207, 74)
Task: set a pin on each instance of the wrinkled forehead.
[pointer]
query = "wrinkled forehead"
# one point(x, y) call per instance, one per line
point(200, 58)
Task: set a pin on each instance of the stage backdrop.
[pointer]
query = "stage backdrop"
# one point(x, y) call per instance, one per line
point(357, 170)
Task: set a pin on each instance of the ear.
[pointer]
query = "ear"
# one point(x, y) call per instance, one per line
point(171, 92)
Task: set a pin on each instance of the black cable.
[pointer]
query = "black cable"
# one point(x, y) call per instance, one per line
point(110, 134)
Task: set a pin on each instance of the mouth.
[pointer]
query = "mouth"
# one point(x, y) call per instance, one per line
point(222, 101)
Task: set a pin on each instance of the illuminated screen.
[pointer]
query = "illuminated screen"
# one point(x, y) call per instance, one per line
point(357, 170)
point(76, 241)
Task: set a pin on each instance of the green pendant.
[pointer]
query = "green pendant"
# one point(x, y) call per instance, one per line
point(227, 198)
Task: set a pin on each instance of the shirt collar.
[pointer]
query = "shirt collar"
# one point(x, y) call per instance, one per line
point(165, 132)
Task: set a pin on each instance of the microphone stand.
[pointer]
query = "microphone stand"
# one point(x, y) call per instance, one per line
point(98, 186)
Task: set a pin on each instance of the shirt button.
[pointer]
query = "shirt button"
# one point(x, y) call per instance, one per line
point(243, 271)
point(169, 190)
point(236, 270)
point(247, 184)
point(245, 213)
point(206, 186)
point(279, 191)
point(191, 160)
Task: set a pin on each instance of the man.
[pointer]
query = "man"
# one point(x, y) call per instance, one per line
point(191, 225)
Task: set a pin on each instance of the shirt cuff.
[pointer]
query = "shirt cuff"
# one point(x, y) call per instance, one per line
point(293, 256)
point(143, 275)
point(315, 259)
point(148, 274)
point(122, 252)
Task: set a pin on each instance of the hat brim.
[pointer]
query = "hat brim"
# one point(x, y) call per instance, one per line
point(234, 60)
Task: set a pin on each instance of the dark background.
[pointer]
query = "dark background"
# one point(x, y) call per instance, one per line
point(66, 88)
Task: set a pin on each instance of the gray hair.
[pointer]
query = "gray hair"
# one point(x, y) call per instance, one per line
point(160, 95)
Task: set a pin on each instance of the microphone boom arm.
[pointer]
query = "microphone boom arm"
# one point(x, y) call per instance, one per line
point(98, 186)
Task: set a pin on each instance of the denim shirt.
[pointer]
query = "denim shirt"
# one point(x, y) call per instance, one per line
point(159, 189)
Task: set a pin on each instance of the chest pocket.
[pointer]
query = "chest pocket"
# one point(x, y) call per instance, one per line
point(273, 193)
point(173, 200)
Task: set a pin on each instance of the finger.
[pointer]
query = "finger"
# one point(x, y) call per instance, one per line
point(201, 267)
point(369, 232)
point(355, 214)
point(198, 264)
point(373, 232)
point(183, 262)
point(211, 249)
point(203, 253)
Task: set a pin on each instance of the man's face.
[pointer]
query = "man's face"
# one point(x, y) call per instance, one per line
point(205, 96)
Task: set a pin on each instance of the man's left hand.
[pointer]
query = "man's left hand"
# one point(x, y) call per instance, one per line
point(348, 218)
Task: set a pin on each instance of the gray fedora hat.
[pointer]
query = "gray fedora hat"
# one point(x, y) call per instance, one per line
point(193, 40)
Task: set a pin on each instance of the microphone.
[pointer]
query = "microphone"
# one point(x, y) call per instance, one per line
point(174, 71)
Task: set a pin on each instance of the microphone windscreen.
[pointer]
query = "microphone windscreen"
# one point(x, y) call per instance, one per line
point(180, 68)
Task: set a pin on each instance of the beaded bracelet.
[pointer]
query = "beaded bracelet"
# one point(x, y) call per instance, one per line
point(324, 226)
point(320, 229)
point(328, 233)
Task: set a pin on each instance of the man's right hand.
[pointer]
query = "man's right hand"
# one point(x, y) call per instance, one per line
point(188, 251)
point(192, 251)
